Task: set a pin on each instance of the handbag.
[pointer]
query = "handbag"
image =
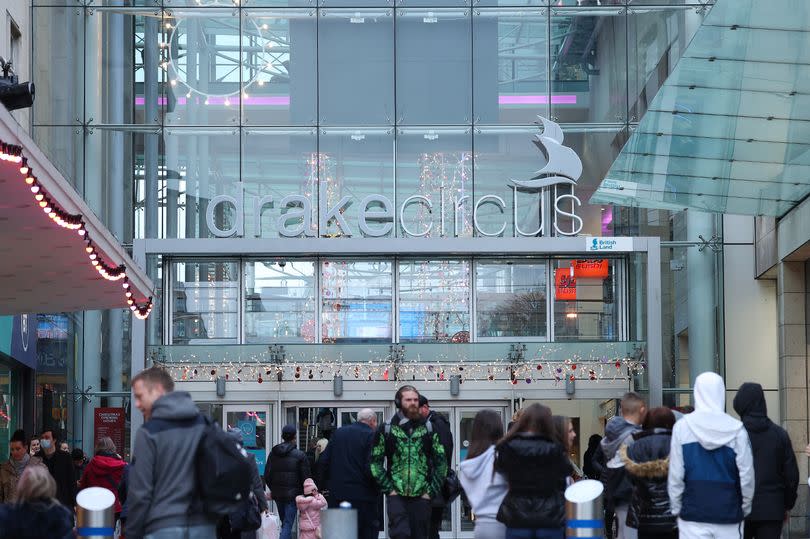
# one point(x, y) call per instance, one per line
point(451, 489)
point(270, 528)
point(248, 517)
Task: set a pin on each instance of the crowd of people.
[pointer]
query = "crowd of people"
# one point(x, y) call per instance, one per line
point(702, 474)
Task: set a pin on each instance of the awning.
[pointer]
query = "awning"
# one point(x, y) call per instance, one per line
point(55, 254)
point(730, 129)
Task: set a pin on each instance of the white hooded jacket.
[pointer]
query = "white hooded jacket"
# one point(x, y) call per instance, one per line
point(485, 489)
point(711, 472)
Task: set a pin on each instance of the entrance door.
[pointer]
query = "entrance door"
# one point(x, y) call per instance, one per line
point(255, 423)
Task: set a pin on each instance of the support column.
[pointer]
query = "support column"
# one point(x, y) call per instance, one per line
point(700, 274)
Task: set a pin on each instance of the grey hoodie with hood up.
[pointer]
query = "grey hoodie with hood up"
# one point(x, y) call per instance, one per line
point(162, 486)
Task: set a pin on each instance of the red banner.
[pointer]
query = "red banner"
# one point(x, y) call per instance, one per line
point(565, 285)
point(110, 422)
point(591, 268)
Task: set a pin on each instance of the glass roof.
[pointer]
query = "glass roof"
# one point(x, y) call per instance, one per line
point(730, 129)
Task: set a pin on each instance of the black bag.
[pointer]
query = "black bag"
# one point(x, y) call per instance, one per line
point(224, 474)
point(452, 487)
point(248, 517)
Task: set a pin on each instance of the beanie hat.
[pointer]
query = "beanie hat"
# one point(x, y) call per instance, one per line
point(309, 486)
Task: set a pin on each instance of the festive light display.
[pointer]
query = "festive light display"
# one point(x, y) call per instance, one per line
point(14, 154)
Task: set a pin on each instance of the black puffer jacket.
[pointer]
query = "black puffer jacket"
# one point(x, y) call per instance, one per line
point(286, 470)
point(535, 468)
point(647, 463)
point(775, 469)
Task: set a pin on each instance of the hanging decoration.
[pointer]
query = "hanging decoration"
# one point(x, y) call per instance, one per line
point(14, 154)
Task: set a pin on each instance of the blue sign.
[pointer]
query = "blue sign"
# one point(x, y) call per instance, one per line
point(261, 459)
point(248, 428)
point(18, 338)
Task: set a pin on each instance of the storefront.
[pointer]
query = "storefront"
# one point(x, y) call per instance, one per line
point(18, 359)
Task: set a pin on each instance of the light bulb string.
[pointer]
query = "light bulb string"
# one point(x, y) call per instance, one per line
point(13, 153)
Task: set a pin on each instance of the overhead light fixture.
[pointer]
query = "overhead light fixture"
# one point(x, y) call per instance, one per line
point(13, 93)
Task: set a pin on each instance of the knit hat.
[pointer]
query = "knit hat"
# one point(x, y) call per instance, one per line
point(309, 486)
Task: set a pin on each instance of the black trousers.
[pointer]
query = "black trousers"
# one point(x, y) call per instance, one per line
point(763, 529)
point(436, 517)
point(658, 535)
point(408, 518)
point(368, 519)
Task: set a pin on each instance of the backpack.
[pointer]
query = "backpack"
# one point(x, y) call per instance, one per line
point(224, 474)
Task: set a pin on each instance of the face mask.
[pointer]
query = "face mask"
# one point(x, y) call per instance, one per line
point(45, 444)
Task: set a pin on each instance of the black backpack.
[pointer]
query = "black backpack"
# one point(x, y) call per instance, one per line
point(224, 474)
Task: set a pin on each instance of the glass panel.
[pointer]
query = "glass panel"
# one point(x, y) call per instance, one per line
point(112, 155)
point(58, 60)
point(435, 164)
point(588, 66)
point(658, 38)
point(511, 299)
point(278, 163)
point(347, 418)
point(434, 77)
point(358, 163)
point(64, 147)
point(356, 301)
point(315, 424)
point(205, 164)
point(280, 301)
point(279, 62)
point(205, 300)
point(115, 70)
point(434, 301)
point(510, 69)
point(8, 409)
point(253, 425)
point(585, 303)
point(356, 67)
point(202, 66)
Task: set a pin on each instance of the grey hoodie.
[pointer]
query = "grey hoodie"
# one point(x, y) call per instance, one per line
point(161, 481)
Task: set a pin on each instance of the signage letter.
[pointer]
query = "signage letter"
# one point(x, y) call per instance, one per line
point(238, 228)
point(575, 219)
point(298, 207)
point(336, 214)
point(258, 205)
point(491, 199)
point(384, 217)
point(413, 200)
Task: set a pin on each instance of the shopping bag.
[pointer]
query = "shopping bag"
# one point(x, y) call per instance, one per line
point(271, 526)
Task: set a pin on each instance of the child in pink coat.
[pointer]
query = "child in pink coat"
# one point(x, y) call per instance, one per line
point(309, 509)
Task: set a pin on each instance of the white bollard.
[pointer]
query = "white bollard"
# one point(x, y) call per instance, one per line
point(94, 514)
point(339, 523)
point(584, 516)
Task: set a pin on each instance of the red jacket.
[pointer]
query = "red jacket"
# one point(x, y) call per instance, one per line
point(105, 472)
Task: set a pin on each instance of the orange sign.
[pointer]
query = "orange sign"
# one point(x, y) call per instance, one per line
point(591, 268)
point(565, 285)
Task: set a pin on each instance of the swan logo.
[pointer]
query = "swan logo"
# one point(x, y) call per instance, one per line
point(563, 165)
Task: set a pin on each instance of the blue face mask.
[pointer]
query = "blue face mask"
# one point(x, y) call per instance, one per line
point(45, 444)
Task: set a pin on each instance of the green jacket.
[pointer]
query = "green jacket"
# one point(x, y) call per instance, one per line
point(416, 464)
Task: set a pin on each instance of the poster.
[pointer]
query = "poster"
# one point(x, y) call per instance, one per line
point(109, 422)
point(248, 428)
point(261, 459)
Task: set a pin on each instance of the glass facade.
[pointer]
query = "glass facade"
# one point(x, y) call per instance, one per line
point(269, 118)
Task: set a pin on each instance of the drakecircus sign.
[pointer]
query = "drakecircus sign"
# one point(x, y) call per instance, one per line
point(376, 215)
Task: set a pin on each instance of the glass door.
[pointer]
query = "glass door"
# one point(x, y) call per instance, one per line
point(255, 423)
point(347, 416)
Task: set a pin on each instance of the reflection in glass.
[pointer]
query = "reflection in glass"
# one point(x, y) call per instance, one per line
point(510, 299)
point(585, 300)
point(434, 301)
point(280, 301)
point(356, 301)
point(205, 300)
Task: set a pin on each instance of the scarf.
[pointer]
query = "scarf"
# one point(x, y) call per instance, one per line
point(19, 465)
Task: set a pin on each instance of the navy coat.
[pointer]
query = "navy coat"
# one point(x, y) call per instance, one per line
point(344, 465)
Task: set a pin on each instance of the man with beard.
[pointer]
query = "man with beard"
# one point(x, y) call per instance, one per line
point(409, 465)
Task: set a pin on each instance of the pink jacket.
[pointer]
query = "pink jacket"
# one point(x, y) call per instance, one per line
point(310, 511)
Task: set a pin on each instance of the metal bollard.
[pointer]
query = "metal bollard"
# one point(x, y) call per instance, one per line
point(584, 515)
point(94, 513)
point(339, 523)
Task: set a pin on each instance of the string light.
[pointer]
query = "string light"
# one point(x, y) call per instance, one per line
point(13, 154)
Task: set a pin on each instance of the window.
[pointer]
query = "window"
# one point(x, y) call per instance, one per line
point(280, 301)
point(585, 300)
point(15, 43)
point(356, 301)
point(205, 299)
point(511, 299)
point(434, 301)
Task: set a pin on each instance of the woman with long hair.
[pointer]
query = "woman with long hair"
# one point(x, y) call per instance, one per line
point(36, 512)
point(566, 435)
point(483, 487)
point(647, 464)
point(105, 470)
point(535, 466)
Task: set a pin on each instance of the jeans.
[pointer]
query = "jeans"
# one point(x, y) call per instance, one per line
point(206, 531)
point(287, 511)
point(536, 533)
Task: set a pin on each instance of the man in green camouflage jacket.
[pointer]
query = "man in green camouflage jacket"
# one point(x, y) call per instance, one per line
point(409, 465)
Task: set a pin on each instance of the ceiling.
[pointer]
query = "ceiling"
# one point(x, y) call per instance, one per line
point(43, 267)
point(729, 131)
